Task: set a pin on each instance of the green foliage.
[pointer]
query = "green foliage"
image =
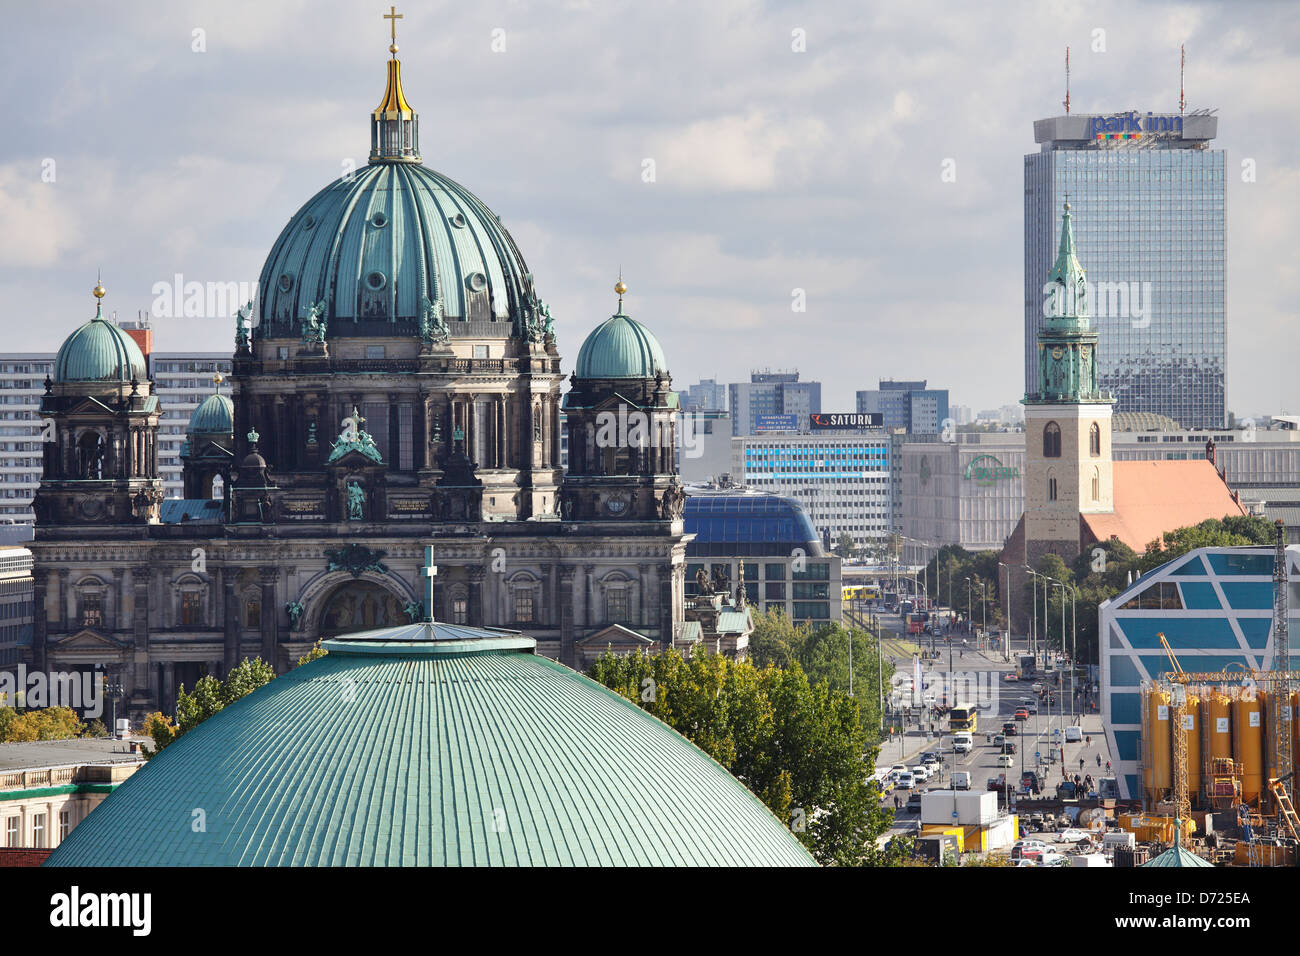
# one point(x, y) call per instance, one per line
point(315, 653)
point(800, 747)
point(823, 654)
point(95, 728)
point(945, 579)
point(209, 696)
point(846, 548)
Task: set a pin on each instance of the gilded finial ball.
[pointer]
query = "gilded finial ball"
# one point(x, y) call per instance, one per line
point(620, 286)
point(1067, 207)
point(392, 48)
point(99, 291)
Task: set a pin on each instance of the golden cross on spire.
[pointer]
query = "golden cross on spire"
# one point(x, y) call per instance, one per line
point(392, 17)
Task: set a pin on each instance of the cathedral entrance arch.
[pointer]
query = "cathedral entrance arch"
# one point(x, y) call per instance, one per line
point(337, 603)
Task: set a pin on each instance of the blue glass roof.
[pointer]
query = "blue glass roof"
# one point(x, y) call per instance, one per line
point(748, 525)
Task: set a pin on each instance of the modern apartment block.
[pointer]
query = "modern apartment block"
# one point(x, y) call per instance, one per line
point(771, 393)
point(907, 405)
point(1147, 193)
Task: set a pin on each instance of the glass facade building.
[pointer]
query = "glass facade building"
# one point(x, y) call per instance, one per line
point(1148, 215)
point(773, 539)
point(1215, 607)
point(771, 393)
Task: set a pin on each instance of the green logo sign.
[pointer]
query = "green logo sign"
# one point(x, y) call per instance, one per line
point(987, 470)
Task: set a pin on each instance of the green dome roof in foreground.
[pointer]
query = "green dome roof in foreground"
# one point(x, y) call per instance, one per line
point(620, 347)
point(432, 745)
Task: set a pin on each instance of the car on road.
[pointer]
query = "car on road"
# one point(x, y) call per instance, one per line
point(1010, 729)
point(999, 740)
point(1029, 704)
point(1022, 714)
point(1074, 835)
point(1029, 781)
point(930, 758)
point(962, 743)
point(1004, 760)
point(921, 772)
point(1022, 848)
point(1037, 688)
point(1008, 747)
point(961, 780)
point(1073, 735)
point(905, 780)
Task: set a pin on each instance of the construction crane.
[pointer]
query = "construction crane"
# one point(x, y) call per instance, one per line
point(1182, 803)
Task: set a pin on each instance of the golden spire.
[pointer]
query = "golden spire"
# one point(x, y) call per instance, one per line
point(217, 380)
point(620, 287)
point(99, 292)
point(394, 125)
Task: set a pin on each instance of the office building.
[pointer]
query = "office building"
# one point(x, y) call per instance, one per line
point(22, 375)
point(770, 393)
point(704, 446)
point(907, 405)
point(705, 395)
point(842, 479)
point(769, 538)
point(15, 606)
point(1148, 197)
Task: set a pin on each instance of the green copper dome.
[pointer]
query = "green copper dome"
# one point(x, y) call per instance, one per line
point(100, 352)
point(620, 347)
point(431, 744)
point(374, 245)
point(215, 415)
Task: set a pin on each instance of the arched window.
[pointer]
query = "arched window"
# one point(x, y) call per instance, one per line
point(1052, 440)
point(1051, 489)
point(90, 455)
point(1094, 440)
point(1096, 482)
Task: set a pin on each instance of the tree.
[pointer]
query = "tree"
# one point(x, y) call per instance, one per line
point(801, 748)
point(315, 654)
point(49, 723)
point(847, 548)
point(210, 696)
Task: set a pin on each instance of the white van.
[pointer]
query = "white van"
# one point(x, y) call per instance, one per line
point(1073, 735)
point(960, 780)
point(962, 742)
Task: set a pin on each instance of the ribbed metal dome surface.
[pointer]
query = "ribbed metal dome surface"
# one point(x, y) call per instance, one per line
point(390, 751)
point(373, 246)
point(100, 352)
point(620, 347)
point(215, 415)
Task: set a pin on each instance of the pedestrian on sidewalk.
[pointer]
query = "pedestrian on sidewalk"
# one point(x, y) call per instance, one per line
point(1098, 760)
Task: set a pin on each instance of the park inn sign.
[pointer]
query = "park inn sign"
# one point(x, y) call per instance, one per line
point(986, 470)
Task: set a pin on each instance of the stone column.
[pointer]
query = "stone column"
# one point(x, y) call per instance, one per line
point(563, 598)
point(589, 594)
point(500, 430)
point(40, 584)
point(270, 616)
point(232, 621)
point(140, 578)
point(169, 686)
point(474, 612)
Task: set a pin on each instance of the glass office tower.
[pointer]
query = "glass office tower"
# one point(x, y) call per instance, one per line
point(1147, 202)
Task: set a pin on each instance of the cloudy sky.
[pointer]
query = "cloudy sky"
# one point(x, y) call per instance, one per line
point(774, 170)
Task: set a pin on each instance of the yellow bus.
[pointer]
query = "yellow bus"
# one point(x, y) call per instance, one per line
point(859, 592)
point(963, 719)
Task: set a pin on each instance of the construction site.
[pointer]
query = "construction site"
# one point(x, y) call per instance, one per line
point(1217, 757)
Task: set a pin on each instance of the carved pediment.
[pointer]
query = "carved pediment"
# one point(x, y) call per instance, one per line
point(85, 639)
point(616, 635)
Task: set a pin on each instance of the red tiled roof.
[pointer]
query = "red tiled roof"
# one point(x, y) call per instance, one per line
point(1152, 497)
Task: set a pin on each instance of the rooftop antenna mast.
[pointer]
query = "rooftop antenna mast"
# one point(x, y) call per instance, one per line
point(1067, 80)
point(1182, 70)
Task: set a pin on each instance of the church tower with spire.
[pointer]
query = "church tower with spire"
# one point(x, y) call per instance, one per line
point(1068, 421)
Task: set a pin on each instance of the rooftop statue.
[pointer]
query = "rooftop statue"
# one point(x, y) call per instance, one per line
point(354, 438)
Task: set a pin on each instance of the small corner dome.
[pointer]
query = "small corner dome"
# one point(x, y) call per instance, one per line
point(100, 352)
point(621, 347)
point(215, 415)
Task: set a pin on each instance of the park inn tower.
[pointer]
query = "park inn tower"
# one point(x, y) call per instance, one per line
point(1149, 190)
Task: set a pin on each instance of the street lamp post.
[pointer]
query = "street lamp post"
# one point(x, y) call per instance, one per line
point(1033, 601)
